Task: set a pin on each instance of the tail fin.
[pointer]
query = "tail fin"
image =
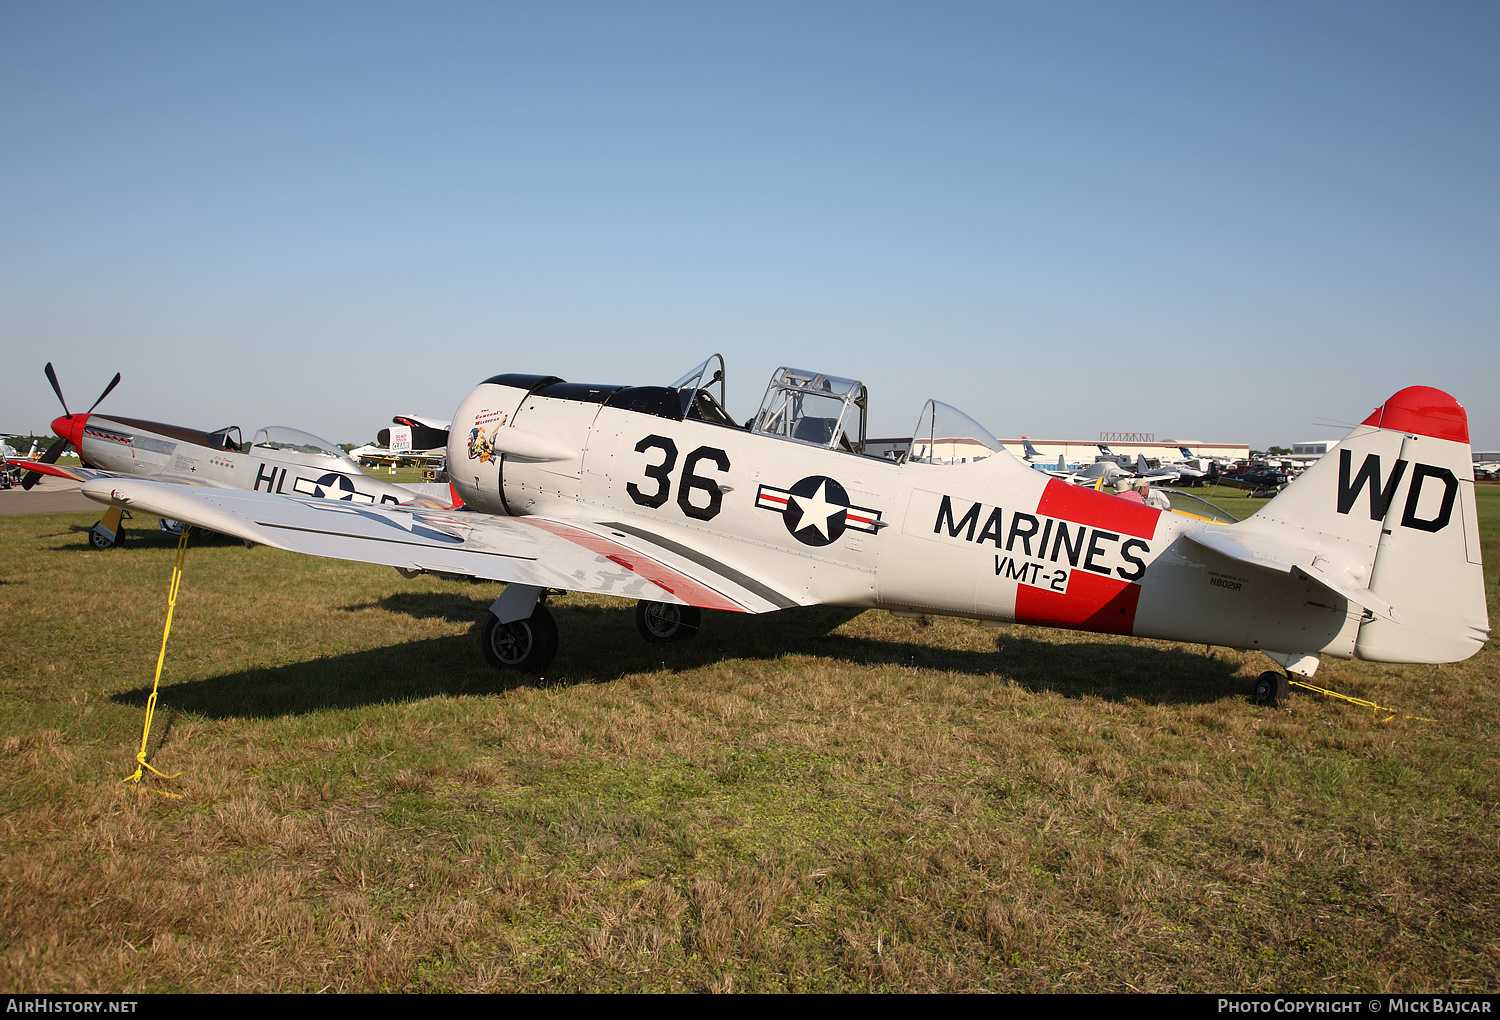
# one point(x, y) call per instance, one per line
point(1392, 509)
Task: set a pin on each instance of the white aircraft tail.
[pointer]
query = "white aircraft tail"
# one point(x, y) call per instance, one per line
point(1388, 517)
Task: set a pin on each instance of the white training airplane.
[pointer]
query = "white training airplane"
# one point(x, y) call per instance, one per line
point(655, 493)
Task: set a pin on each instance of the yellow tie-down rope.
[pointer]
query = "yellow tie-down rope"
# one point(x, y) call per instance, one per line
point(1358, 701)
point(161, 658)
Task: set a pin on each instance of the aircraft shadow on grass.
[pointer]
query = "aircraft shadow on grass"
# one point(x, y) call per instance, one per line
point(605, 646)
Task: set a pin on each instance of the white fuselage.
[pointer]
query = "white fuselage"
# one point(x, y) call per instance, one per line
point(990, 539)
point(131, 447)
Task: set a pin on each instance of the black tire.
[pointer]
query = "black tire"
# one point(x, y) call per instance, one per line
point(1271, 689)
point(527, 646)
point(661, 622)
point(99, 540)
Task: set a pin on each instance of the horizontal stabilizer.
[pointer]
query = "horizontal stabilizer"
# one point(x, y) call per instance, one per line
point(1267, 554)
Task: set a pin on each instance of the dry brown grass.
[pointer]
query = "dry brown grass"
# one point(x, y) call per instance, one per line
point(809, 801)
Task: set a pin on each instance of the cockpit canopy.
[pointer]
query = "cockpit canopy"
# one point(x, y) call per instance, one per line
point(695, 392)
point(945, 435)
point(809, 407)
point(280, 439)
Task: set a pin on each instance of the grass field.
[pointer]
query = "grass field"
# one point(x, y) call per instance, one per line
point(812, 801)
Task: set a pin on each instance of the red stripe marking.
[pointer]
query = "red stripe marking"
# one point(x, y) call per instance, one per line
point(1092, 602)
point(659, 574)
point(1079, 505)
point(1423, 411)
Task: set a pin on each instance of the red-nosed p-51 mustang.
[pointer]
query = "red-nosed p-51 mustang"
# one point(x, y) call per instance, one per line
point(656, 493)
point(277, 459)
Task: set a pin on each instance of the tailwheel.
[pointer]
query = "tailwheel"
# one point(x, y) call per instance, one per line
point(1272, 689)
point(660, 622)
point(527, 645)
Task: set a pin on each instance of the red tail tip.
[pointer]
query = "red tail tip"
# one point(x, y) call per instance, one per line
point(1423, 411)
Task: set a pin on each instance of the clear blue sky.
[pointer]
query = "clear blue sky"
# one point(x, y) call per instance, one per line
point(1220, 221)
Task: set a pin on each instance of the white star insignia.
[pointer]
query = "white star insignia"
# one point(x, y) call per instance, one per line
point(818, 508)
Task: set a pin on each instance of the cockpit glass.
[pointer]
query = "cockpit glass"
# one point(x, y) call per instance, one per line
point(285, 440)
point(945, 435)
point(811, 407)
point(696, 391)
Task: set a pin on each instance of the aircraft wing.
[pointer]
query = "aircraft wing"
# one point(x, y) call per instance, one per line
point(83, 474)
point(1266, 553)
point(87, 474)
point(605, 558)
point(78, 474)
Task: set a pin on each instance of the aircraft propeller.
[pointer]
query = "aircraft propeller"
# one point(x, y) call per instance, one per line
point(55, 450)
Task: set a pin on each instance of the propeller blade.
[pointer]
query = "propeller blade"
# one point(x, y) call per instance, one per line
point(50, 457)
point(112, 384)
point(52, 378)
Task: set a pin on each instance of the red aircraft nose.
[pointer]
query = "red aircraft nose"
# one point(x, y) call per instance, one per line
point(70, 427)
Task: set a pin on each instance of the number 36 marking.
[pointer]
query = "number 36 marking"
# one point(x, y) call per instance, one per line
point(662, 474)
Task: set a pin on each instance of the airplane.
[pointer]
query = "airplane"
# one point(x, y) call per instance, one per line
point(657, 494)
point(414, 440)
point(1168, 473)
point(9, 476)
point(1099, 473)
point(277, 459)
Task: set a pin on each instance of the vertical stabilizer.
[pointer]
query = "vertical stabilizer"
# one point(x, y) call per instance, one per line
point(1391, 508)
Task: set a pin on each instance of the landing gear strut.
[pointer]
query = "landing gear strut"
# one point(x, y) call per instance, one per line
point(661, 622)
point(109, 530)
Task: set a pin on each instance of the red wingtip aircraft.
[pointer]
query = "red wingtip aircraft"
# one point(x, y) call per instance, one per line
point(656, 493)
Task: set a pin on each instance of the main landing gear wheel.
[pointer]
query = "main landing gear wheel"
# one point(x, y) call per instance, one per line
point(101, 539)
point(1272, 689)
point(660, 622)
point(527, 645)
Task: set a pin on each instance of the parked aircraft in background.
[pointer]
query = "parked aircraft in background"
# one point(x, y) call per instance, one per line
point(1033, 456)
point(656, 493)
point(411, 440)
point(1101, 472)
point(9, 476)
point(277, 459)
